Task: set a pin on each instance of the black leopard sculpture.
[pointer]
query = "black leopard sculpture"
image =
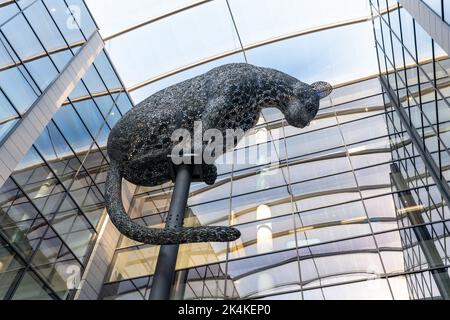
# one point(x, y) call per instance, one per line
point(228, 97)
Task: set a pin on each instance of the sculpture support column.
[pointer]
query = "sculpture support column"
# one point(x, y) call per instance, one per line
point(165, 267)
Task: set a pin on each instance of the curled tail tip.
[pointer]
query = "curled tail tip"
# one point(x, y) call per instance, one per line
point(229, 234)
point(235, 234)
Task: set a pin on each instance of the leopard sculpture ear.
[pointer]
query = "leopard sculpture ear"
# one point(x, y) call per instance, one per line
point(323, 89)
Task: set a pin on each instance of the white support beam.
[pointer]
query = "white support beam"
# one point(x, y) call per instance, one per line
point(438, 29)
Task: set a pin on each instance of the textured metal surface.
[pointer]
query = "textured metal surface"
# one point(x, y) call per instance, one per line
point(228, 97)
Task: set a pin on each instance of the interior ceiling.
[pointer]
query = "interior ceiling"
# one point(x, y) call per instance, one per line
point(156, 43)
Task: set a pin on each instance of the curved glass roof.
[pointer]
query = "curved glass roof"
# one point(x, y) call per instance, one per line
point(156, 43)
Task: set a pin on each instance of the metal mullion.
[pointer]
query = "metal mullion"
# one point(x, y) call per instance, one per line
point(107, 90)
point(68, 170)
point(313, 179)
point(15, 283)
point(437, 107)
point(22, 12)
point(424, 153)
point(33, 87)
point(10, 102)
point(28, 261)
point(21, 274)
point(406, 82)
point(382, 39)
point(394, 65)
point(423, 235)
point(403, 235)
point(423, 116)
point(90, 13)
point(418, 281)
point(416, 177)
point(412, 159)
point(16, 198)
point(23, 261)
point(378, 57)
point(67, 191)
point(47, 54)
point(391, 276)
point(302, 212)
point(68, 45)
point(60, 73)
point(41, 91)
point(47, 221)
point(70, 48)
point(313, 245)
point(125, 91)
point(94, 138)
point(365, 209)
point(19, 12)
point(94, 143)
point(294, 222)
point(84, 160)
point(40, 56)
point(230, 12)
point(237, 30)
point(419, 83)
point(419, 66)
point(67, 142)
point(204, 284)
point(227, 256)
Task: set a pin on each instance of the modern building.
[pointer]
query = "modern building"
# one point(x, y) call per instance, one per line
point(355, 206)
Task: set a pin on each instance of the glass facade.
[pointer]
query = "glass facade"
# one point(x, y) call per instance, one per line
point(318, 221)
point(327, 216)
point(416, 73)
point(51, 205)
point(347, 208)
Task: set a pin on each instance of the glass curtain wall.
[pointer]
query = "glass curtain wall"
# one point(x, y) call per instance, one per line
point(417, 70)
point(51, 205)
point(344, 209)
point(318, 217)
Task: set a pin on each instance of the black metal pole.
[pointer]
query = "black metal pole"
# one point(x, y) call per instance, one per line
point(165, 267)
